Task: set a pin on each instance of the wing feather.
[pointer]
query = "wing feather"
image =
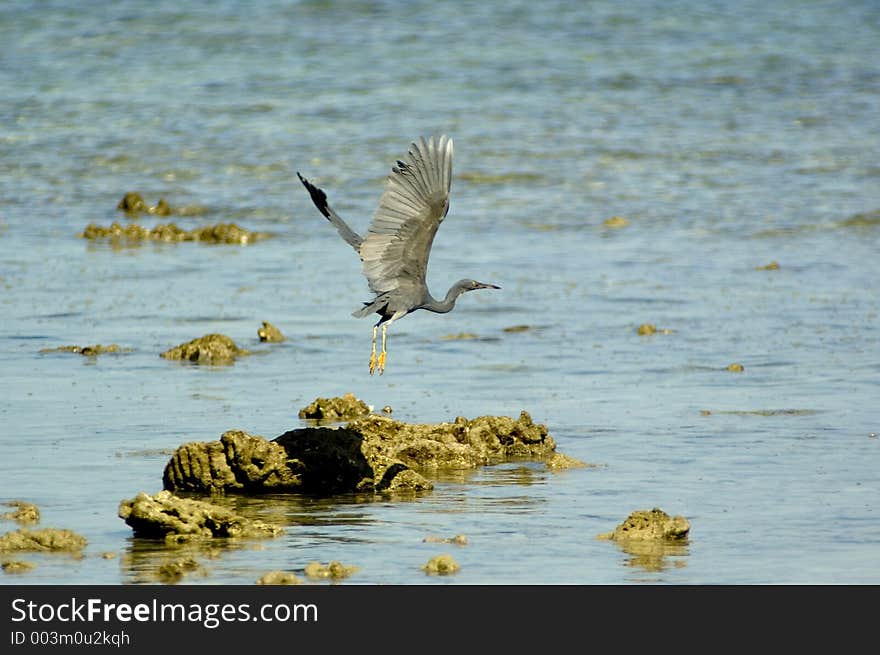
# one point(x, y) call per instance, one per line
point(395, 251)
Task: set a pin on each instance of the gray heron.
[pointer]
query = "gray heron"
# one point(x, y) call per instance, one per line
point(394, 253)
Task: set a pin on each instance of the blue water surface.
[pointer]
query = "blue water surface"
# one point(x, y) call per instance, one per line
point(727, 135)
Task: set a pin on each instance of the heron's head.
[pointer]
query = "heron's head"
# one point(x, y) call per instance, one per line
point(473, 285)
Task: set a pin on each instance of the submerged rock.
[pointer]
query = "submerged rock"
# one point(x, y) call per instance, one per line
point(647, 329)
point(87, 351)
point(179, 519)
point(175, 570)
point(42, 540)
point(441, 565)
point(269, 332)
point(862, 219)
point(24, 512)
point(228, 233)
point(369, 454)
point(225, 233)
point(334, 570)
point(215, 349)
point(278, 578)
point(615, 222)
point(654, 524)
point(335, 409)
point(132, 203)
point(460, 336)
point(560, 462)
point(458, 540)
point(17, 566)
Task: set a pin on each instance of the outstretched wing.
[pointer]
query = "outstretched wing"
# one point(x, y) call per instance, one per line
point(351, 237)
point(395, 250)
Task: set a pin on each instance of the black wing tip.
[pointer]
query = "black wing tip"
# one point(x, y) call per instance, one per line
point(402, 168)
point(318, 196)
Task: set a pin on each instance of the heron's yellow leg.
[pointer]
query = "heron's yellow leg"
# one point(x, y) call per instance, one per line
point(373, 352)
point(382, 354)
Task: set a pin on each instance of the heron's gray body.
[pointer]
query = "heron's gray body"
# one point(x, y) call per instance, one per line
point(394, 253)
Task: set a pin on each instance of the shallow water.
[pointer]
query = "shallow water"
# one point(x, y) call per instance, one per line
point(728, 136)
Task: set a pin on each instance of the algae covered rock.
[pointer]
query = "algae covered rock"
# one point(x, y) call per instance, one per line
point(179, 519)
point(561, 462)
point(334, 570)
point(133, 232)
point(24, 513)
point(652, 539)
point(458, 540)
point(225, 233)
point(335, 409)
point(42, 540)
point(462, 444)
point(270, 333)
point(441, 565)
point(237, 462)
point(17, 566)
point(309, 460)
point(175, 570)
point(133, 203)
point(217, 349)
point(651, 525)
point(88, 351)
point(369, 454)
point(221, 233)
point(278, 578)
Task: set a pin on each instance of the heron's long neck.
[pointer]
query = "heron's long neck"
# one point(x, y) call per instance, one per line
point(445, 305)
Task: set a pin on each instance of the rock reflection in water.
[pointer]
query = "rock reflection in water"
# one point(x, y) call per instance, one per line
point(654, 556)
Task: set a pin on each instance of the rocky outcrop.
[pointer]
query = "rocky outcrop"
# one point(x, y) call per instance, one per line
point(369, 454)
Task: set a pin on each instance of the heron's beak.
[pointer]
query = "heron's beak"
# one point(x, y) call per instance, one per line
point(487, 286)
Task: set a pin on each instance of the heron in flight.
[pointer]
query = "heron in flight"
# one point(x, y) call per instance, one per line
point(394, 253)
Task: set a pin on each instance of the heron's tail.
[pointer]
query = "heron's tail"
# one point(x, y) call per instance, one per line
point(371, 307)
point(351, 237)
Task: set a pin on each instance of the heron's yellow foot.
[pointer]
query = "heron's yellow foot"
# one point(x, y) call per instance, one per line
point(381, 362)
point(372, 362)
